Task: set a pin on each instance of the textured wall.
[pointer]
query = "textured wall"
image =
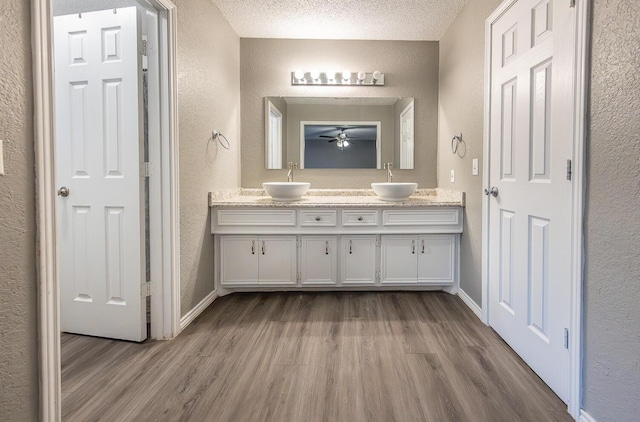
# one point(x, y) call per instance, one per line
point(18, 296)
point(411, 70)
point(612, 277)
point(208, 98)
point(461, 109)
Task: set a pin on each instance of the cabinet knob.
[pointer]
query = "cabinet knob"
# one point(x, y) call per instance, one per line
point(360, 218)
point(318, 218)
point(413, 246)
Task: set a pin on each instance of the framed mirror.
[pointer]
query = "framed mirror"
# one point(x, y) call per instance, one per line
point(339, 132)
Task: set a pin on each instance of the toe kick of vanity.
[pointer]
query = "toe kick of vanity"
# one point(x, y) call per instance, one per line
point(390, 247)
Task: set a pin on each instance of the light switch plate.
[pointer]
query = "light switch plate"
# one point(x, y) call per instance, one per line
point(474, 167)
point(453, 176)
point(1, 158)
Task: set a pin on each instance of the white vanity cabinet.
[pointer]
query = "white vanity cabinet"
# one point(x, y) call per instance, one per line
point(414, 260)
point(258, 261)
point(318, 260)
point(331, 247)
point(359, 261)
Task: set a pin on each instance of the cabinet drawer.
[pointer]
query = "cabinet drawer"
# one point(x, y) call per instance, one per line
point(359, 218)
point(256, 217)
point(318, 218)
point(420, 217)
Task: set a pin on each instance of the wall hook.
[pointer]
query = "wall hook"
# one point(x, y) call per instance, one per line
point(219, 137)
point(455, 142)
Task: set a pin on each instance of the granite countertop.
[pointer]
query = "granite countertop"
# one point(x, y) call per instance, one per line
point(335, 198)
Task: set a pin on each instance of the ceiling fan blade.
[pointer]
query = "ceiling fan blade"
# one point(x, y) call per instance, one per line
point(332, 140)
point(326, 136)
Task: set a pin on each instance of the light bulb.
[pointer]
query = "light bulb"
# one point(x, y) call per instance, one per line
point(315, 75)
point(361, 76)
point(299, 75)
point(331, 75)
point(345, 143)
point(346, 76)
point(376, 76)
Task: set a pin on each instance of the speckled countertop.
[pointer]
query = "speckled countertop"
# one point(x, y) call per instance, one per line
point(335, 198)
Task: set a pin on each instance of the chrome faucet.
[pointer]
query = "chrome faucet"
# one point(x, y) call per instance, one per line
point(388, 167)
point(291, 166)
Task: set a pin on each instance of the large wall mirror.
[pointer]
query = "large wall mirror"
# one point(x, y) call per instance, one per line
point(339, 132)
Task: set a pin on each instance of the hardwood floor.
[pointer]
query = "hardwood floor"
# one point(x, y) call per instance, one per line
point(384, 356)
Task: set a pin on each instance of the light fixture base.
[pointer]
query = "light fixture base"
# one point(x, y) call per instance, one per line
point(325, 79)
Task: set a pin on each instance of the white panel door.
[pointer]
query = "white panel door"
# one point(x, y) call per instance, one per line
point(532, 74)
point(399, 260)
point(98, 145)
point(277, 263)
point(319, 260)
point(358, 260)
point(406, 137)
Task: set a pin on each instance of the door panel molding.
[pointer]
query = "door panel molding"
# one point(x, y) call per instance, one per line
point(167, 289)
point(582, 52)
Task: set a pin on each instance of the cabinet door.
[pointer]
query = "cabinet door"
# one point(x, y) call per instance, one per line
point(358, 260)
point(319, 260)
point(399, 260)
point(238, 260)
point(436, 259)
point(277, 263)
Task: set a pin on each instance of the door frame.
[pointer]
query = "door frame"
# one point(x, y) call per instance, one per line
point(581, 86)
point(166, 291)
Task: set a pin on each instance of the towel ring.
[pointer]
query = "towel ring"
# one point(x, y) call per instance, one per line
point(219, 137)
point(455, 142)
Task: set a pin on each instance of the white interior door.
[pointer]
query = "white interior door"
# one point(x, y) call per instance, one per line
point(406, 137)
point(531, 133)
point(98, 154)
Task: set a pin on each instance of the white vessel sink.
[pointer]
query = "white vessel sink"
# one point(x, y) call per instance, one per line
point(286, 191)
point(394, 191)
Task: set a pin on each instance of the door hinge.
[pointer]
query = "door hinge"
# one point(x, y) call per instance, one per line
point(572, 3)
point(146, 169)
point(566, 338)
point(145, 47)
point(568, 169)
point(146, 289)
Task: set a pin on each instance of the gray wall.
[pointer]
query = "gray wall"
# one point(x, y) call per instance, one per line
point(612, 226)
point(411, 70)
point(461, 109)
point(208, 98)
point(18, 296)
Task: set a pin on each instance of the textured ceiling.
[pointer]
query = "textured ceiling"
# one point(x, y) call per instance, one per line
point(341, 19)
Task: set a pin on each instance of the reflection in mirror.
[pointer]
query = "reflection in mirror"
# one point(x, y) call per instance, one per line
point(308, 130)
point(339, 145)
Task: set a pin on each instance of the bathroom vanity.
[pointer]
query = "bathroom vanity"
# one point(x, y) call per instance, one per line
point(336, 240)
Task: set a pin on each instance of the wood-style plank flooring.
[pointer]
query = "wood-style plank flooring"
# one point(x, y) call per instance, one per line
point(345, 356)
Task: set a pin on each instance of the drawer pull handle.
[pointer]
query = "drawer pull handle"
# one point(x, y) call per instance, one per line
point(263, 248)
point(413, 246)
point(253, 247)
point(360, 218)
point(326, 247)
point(318, 218)
point(422, 245)
point(350, 247)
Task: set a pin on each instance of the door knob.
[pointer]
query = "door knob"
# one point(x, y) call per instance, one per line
point(63, 191)
point(493, 191)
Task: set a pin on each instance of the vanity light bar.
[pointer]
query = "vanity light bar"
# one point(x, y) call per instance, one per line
point(300, 77)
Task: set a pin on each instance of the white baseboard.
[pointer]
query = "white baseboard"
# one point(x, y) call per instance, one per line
point(585, 417)
point(470, 303)
point(197, 310)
